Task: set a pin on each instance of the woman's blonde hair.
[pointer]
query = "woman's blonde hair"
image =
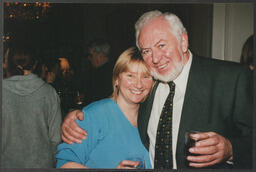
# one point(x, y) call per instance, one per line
point(128, 58)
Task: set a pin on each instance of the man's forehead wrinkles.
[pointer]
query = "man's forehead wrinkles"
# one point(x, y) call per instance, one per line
point(154, 45)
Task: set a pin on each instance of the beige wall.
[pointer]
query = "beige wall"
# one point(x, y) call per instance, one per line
point(232, 25)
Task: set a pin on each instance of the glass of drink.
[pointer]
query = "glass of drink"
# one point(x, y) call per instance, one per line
point(189, 142)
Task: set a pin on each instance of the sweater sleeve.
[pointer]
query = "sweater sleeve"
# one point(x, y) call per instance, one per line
point(80, 153)
point(54, 122)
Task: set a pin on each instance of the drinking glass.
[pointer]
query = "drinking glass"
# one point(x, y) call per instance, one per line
point(79, 99)
point(189, 142)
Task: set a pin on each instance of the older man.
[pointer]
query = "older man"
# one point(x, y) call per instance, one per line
point(92, 81)
point(206, 95)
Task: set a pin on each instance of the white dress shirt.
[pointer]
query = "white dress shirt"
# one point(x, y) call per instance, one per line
point(159, 100)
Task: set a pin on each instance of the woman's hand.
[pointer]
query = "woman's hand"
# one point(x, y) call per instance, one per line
point(126, 164)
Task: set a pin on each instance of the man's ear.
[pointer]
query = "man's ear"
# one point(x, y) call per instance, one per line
point(184, 42)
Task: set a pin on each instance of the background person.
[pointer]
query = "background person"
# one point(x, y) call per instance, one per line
point(97, 84)
point(112, 122)
point(211, 96)
point(247, 53)
point(31, 115)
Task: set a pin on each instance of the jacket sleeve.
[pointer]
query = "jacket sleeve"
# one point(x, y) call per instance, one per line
point(241, 137)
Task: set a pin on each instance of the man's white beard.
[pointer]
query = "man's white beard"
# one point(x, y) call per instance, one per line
point(173, 74)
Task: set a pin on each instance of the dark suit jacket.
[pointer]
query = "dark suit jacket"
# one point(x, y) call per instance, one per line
point(218, 98)
point(98, 85)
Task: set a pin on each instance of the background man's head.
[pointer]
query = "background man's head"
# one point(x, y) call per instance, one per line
point(163, 42)
point(247, 53)
point(99, 51)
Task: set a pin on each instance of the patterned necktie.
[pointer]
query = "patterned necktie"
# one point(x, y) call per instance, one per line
point(163, 146)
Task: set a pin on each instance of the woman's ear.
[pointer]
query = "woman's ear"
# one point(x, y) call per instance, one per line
point(184, 42)
point(116, 83)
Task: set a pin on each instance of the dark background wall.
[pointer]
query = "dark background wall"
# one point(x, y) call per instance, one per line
point(116, 23)
point(76, 24)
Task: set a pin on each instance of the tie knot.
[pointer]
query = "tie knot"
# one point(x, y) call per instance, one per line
point(171, 85)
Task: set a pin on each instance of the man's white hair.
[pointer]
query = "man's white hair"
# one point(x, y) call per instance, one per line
point(175, 23)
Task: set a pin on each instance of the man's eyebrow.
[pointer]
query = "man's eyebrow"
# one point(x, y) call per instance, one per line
point(158, 42)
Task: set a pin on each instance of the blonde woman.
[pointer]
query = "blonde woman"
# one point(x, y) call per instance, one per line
point(112, 122)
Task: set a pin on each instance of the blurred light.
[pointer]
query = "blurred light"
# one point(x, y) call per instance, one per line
point(26, 11)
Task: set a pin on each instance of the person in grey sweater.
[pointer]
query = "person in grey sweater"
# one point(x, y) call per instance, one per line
point(31, 115)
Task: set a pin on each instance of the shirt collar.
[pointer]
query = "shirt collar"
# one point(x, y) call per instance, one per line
point(181, 80)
